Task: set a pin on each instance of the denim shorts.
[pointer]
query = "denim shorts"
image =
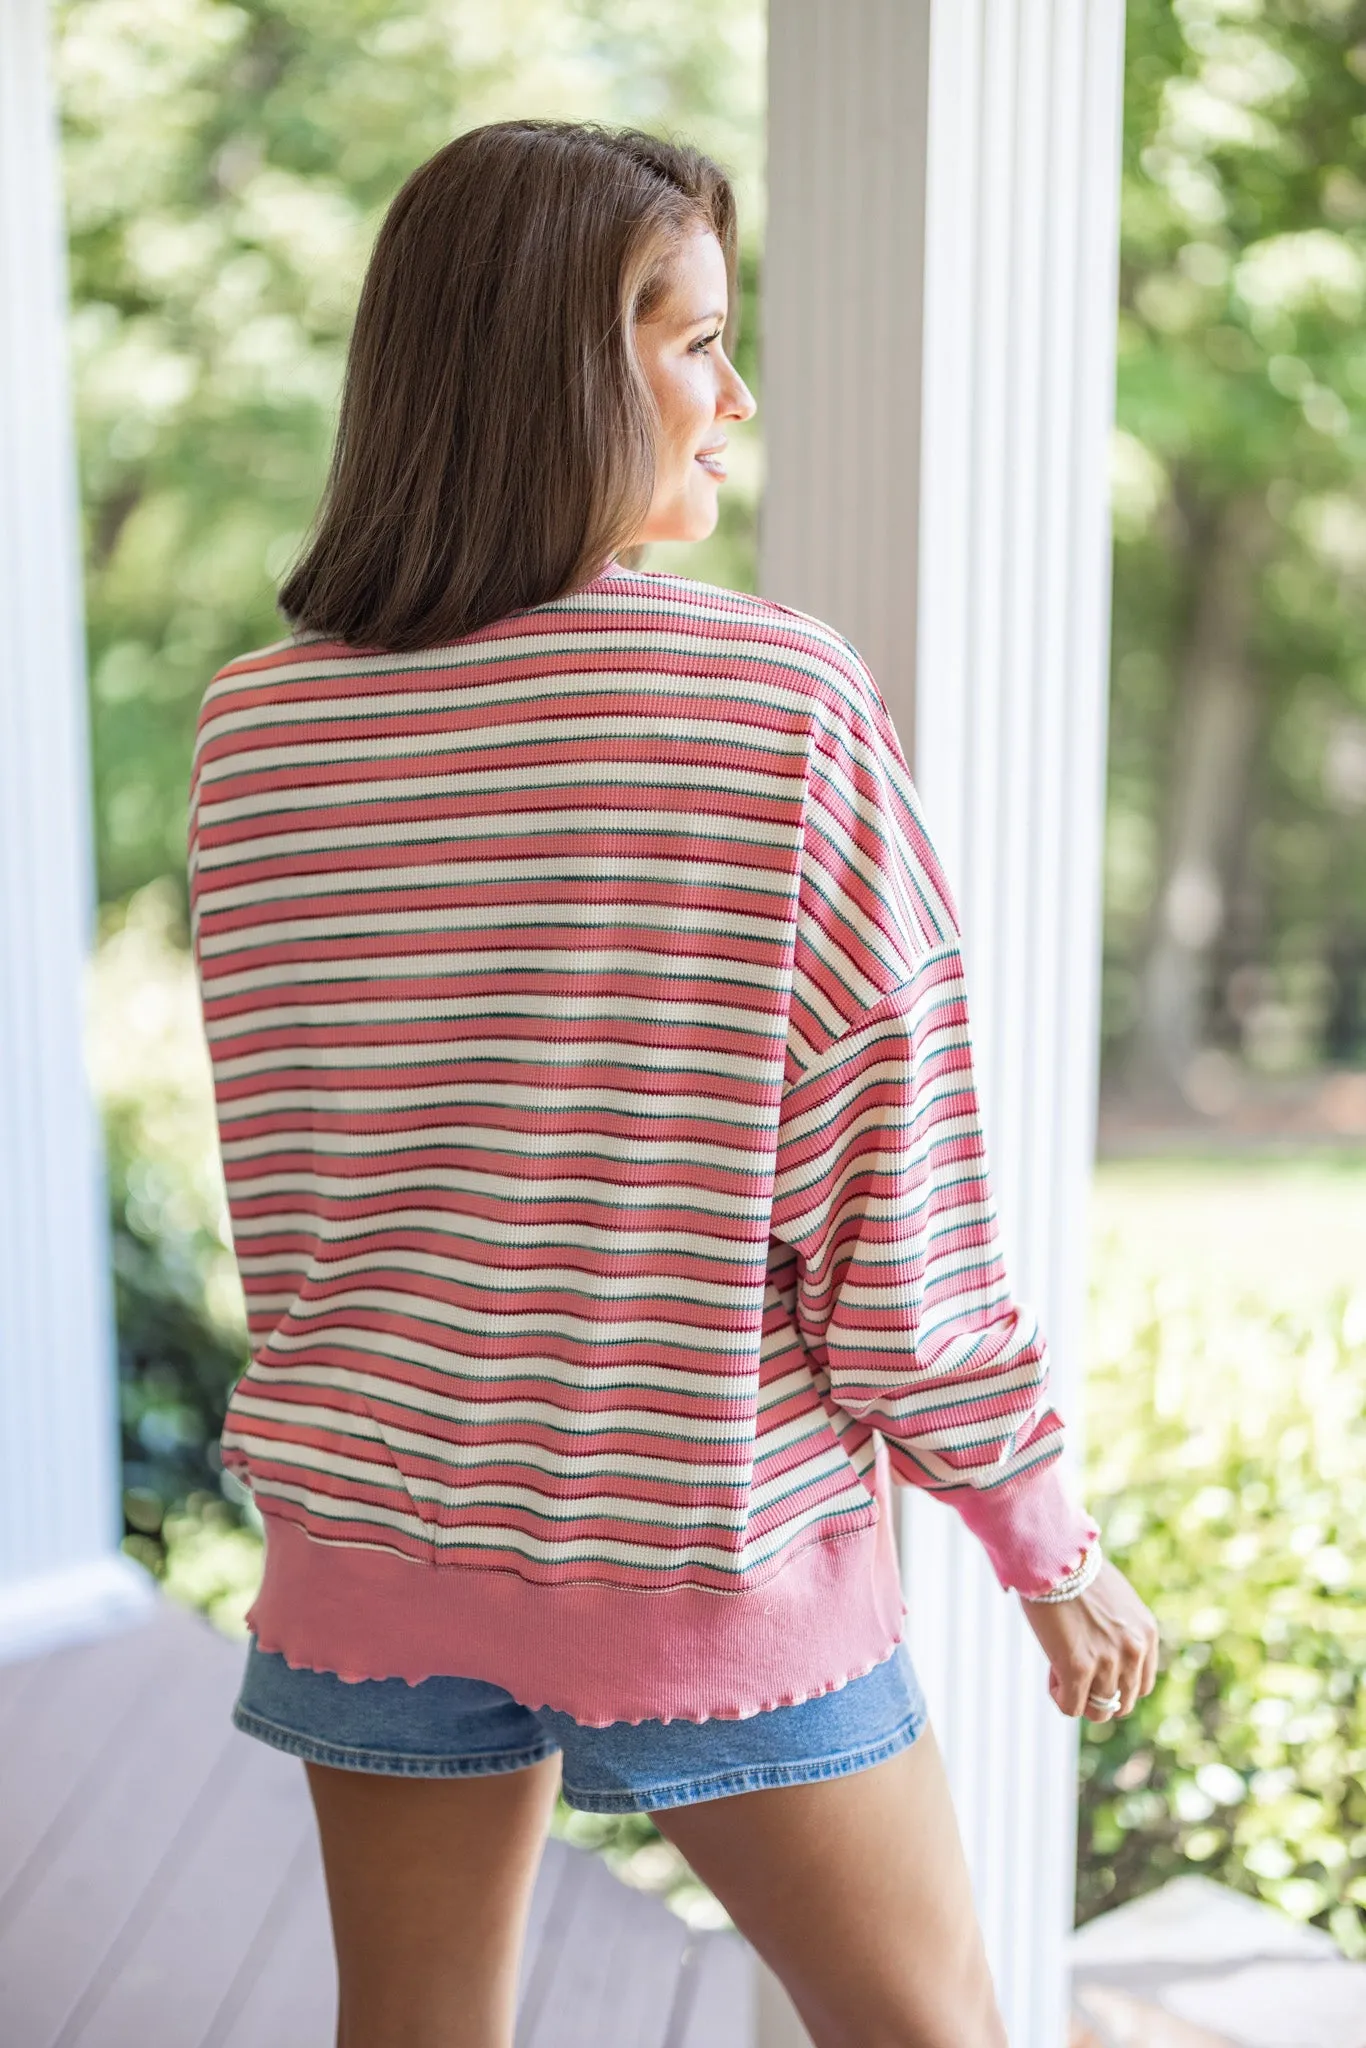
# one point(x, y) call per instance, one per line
point(466, 1728)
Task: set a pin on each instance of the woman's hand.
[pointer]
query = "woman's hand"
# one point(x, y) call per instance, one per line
point(1103, 1642)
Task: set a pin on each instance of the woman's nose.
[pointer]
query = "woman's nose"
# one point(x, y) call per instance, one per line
point(740, 401)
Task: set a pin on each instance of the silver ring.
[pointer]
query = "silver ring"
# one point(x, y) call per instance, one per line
point(1104, 1704)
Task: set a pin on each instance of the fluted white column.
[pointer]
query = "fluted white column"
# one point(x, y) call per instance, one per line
point(938, 379)
point(61, 1573)
point(842, 306)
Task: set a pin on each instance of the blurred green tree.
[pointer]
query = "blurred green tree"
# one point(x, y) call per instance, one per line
point(1236, 889)
point(227, 166)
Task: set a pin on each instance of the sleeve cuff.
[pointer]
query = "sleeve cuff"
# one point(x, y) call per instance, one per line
point(1033, 1528)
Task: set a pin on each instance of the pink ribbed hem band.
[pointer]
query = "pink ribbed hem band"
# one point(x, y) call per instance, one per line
point(1033, 1529)
point(601, 1653)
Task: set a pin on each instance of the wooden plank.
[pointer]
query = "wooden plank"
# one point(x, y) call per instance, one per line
point(558, 1869)
point(254, 2003)
point(553, 1911)
point(286, 1993)
point(557, 1866)
point(19, 1682)
point(621, 1999)
point(166, 1889)
point(87, 1701)
point(143, 1810)
point(607, 1967)
point(642, 1965)
point(714, 2007)
point(171, 1970)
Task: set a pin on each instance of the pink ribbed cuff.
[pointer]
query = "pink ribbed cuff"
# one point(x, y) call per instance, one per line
point(1033, 1528)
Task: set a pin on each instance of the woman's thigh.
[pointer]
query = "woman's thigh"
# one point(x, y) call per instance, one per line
point(428, 1881)
point(855, 1891)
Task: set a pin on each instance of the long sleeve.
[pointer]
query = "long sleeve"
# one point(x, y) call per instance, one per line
point(882, 1184)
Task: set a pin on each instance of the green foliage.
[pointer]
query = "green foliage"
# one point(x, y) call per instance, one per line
point(1246, 1761)
point(227, 166)
point(181, 1333)
point(1242, 412)
point(636, 1852)
point(176, 1368)
point(1229, 1476)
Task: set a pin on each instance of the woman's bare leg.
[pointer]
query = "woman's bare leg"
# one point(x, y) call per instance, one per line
point(429, 1882)
point(855, 1892)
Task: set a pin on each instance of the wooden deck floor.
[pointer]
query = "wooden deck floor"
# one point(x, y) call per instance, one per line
point(160, 1885)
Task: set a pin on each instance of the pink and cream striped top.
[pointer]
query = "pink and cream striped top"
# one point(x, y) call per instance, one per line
point(606, 1175)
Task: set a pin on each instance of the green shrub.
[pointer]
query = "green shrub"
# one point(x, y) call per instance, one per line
point(180, 1331)
point(176, 1363)
point(1229, 1475)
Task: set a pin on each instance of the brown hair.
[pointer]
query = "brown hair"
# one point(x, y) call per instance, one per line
point(495, 447)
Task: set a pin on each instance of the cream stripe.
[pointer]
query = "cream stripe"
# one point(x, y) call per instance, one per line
point(563, 1008)
point(596, 823)
point(711, 1385)
point(532, 733)
point(664, 1151)
point(502, 1323)
point(571, 1057)
point(585, 1550)
point(580, 1187)
point(723, 925)
point(563, 961)
point(620, 1239)
point(548, 1098)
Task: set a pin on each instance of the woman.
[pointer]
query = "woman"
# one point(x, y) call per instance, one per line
point(597, 1112)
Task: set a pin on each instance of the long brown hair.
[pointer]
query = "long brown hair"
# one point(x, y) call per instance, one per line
point(495, 447)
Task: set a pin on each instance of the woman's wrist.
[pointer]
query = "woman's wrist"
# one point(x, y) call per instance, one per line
point(1078, 1579)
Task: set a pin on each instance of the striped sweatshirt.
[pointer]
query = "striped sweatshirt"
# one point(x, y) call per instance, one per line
point(596, 1106)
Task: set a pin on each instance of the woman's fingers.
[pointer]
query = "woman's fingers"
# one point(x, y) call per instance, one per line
point(1082, 1679)
point(1118, 1679)
point(1131, 1673)
point(1101, 1643)
point(1107, 1680)
point(1069, 1683)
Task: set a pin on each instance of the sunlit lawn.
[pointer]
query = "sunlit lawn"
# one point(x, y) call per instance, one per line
point(1286, 1228)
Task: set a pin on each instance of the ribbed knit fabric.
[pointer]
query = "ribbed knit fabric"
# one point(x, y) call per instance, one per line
point(606, 1175)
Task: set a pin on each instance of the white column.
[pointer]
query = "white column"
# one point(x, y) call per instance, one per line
point(936, 448)
point(842, 307)
point(61, 1573)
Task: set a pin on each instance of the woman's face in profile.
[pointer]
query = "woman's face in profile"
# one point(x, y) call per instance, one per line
point(696, 388)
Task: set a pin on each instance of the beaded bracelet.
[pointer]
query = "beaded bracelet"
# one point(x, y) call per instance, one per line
point(1077, 1580)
